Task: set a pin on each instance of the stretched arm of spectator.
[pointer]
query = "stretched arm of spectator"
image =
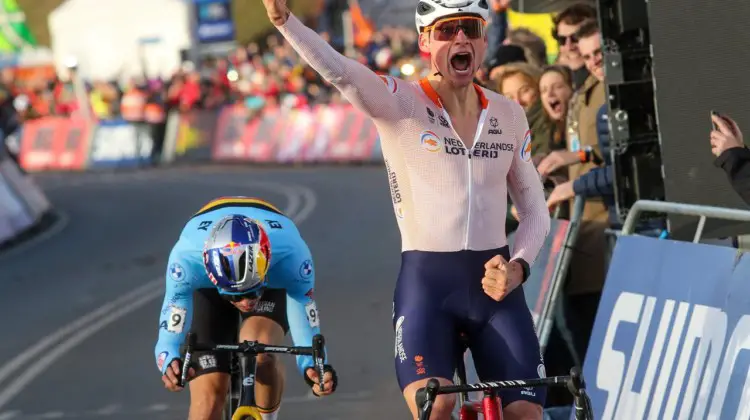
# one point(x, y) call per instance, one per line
point(361, 86)
point(736, 163)
point(597, 182)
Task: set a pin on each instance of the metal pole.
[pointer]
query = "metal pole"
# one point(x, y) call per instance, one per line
point(628, 227)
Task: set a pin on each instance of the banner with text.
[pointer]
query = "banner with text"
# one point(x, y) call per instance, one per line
point(118, 143)
point(55, 143)
point(672, 333)
point(322, 134)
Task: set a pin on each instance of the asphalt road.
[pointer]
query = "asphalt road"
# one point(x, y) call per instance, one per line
point(81, 303)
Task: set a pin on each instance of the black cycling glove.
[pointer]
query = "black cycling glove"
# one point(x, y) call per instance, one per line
point(326, 368)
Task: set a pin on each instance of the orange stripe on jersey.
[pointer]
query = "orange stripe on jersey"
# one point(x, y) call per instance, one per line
point(238, 202)
point(435, 98)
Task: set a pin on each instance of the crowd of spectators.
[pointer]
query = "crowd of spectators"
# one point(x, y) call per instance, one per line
point(256, 76)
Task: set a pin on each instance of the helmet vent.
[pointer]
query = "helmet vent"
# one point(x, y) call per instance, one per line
point(243, 272)
point(424, 8)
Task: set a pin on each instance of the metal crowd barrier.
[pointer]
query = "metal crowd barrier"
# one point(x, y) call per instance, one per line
point(703, 212)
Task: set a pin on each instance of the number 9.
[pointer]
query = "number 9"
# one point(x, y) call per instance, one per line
point(176, 318)
point(313, 314)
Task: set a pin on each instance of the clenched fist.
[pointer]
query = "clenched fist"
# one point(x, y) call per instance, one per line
point(501, 277)
point(277, 11)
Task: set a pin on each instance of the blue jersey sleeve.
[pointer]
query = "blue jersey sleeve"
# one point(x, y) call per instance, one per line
point(176, 310)
point(298, 272)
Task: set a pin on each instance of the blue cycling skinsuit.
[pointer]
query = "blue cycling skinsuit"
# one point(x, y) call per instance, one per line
point(191, 301)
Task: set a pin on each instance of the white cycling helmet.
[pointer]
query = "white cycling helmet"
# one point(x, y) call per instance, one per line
point(429, 11)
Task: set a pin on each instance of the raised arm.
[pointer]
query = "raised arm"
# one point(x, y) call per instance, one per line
point(368, 92)
point(526, 191)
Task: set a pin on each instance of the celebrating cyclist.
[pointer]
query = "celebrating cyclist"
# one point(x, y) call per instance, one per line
point(238, 257)
point(453, 151)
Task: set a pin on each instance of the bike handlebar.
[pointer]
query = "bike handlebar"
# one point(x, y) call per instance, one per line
point(317, 351)
point(574, 383)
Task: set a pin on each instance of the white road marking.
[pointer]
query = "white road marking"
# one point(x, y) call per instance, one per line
point(52, 415)
point(157, 407)
point(51, 354)
point(88, 325)
point(108, 410)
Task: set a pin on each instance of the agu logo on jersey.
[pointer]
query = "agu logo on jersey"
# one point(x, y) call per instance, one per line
point(430, 141)
point(525, 152)
point(390, 82)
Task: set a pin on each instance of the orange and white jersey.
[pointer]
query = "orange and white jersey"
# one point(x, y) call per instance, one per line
point(446, 196)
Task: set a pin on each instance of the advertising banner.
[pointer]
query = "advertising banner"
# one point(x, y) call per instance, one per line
point(214, 21)
point(55, 143)
point(119, 143)
point(320, 134)
point(538, 287)
point(672, 333)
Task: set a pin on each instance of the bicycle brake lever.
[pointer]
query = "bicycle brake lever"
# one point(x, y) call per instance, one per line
point(190, 341)
point(318, 347)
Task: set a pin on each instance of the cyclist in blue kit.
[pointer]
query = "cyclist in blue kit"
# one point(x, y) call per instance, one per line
point(238, 255)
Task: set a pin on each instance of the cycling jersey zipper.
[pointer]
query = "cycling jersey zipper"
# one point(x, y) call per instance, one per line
point(470, 174)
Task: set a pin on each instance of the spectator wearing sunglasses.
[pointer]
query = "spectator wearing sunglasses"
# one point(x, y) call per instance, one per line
point(566, 25)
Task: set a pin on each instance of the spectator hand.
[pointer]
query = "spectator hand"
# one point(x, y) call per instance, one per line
point(501, 277)
point(726, 137)
point(277, 10)
point(557, 160)
point(562, 192)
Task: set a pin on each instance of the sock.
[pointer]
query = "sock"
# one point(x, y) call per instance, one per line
point(272, 414)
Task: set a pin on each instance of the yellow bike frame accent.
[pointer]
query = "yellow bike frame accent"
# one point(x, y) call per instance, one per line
point(246, 413)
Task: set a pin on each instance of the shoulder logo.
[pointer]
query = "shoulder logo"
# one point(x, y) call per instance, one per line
point(176, 272)
point(525, 151)
point(430, 141)
point(390, 82)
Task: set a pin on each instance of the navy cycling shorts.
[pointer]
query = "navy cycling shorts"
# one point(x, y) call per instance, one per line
point(438, 296)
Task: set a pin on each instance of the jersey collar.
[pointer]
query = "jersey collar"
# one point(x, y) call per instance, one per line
point(435, 98)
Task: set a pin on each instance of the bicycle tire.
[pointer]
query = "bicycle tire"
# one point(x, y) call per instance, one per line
point(247, 413)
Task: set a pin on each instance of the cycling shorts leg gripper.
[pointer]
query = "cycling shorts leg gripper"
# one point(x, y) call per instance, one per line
point(215, 321)
point(506, 347)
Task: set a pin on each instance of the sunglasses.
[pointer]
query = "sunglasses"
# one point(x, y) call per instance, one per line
point(563, 39)
point(238, 298)
point(447, 29)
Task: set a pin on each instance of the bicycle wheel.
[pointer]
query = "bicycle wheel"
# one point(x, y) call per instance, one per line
point(247, 413)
